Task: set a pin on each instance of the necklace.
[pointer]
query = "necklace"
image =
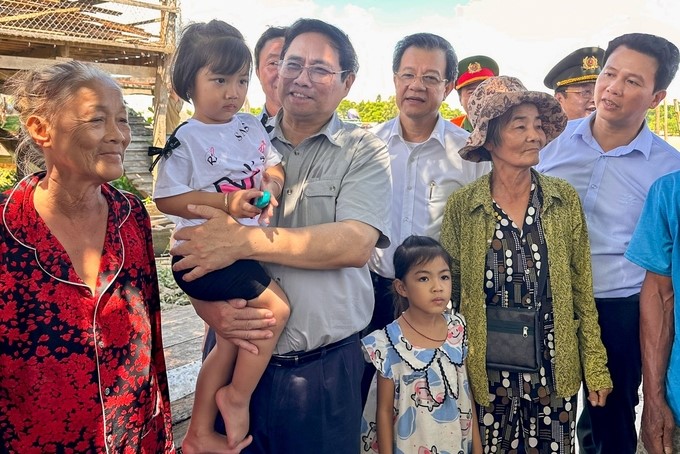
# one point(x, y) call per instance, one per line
point(403, 316)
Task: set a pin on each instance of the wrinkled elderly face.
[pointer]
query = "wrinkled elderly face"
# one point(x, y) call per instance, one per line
point(88, 138)
point(520, 139)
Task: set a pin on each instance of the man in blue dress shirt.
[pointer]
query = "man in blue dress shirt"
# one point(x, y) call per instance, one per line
point(612, 158)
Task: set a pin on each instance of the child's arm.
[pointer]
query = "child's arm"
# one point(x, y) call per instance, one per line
point(238, 203)
point(476, 436)
point(385, 415)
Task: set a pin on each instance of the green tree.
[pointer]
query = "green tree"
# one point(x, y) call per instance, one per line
point(344, 106)
point(377, 111)
point(673, 112)
point(447, 112)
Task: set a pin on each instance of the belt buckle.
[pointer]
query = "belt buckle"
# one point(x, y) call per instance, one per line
point(285, 360)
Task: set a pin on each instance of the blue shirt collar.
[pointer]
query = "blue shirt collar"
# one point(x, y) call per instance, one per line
point(642, 142)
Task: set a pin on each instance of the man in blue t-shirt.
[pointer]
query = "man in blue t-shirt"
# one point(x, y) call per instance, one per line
point(655, 246)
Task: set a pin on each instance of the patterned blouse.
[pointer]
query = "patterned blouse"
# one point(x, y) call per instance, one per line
point(513, 263)
point(80, 372)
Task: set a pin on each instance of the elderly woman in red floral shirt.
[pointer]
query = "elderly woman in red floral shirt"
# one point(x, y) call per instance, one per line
point(81, 357)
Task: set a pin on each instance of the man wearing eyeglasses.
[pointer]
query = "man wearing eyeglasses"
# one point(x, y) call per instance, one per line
point(267, 55)
point(332, 213)
point(573, 80)
point(612, 158)
point(424, 160)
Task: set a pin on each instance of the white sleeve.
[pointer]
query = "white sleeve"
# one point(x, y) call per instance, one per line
point(272, 157)
point(175, 171)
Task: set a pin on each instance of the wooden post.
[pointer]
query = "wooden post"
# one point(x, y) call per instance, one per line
point(160, 103)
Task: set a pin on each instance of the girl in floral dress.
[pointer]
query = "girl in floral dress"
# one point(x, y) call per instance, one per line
point(420, 400)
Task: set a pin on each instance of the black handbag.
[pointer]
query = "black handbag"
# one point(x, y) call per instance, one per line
point(513, 339)
point(514, 335)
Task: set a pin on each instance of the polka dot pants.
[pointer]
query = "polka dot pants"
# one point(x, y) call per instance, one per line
point(544, 426)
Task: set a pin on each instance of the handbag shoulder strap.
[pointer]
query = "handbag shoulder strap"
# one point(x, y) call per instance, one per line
point(542, 282)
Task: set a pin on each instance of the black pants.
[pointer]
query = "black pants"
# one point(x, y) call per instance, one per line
point(383, 311)
point(245, 279)
point(611, 429)
point(313, 407)
point(383, 315)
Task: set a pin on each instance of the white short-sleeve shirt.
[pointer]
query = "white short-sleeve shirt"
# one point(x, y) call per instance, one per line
point(216, 158)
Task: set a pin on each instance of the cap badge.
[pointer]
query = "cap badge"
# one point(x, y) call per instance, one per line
point(474, 67)
point(590, 63)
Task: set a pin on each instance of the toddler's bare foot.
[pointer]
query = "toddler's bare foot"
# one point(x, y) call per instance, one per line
point(202, 443)
point(235, 411)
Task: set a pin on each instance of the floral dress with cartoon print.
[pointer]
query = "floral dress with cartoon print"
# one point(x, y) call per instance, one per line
point(432, 399)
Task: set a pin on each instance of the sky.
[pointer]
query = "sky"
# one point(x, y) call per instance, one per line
point(526, 37)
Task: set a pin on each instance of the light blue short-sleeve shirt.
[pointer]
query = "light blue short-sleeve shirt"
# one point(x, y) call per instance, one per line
point(613, 187)
point(655, 246)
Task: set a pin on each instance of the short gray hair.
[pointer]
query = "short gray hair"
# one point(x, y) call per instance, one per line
point(43, 92)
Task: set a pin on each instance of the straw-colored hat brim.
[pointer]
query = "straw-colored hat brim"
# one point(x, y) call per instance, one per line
point(497, 95)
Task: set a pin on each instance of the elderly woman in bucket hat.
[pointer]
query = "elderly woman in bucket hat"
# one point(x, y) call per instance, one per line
point(522, 277)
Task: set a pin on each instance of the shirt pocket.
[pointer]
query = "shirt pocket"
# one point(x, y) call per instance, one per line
point(319, 201)
point(439, 192)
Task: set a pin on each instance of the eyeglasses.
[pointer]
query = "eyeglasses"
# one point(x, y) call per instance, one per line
point(429, 80)
point(585, 94)
point(317, 74)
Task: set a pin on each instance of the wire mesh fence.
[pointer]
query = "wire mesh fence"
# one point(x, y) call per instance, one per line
point(121, 23)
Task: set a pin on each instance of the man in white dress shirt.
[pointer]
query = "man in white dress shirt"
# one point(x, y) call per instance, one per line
point(424, 160)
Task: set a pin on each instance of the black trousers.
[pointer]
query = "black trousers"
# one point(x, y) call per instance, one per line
point(383, 311)
point(611, 429)
point(311, 407)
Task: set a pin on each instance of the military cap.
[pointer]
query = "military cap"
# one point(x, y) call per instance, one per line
point(582, 65)
point(475, 69)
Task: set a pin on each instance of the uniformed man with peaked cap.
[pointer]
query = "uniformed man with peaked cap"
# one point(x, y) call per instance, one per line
point(573, 80)
point(471, 72)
